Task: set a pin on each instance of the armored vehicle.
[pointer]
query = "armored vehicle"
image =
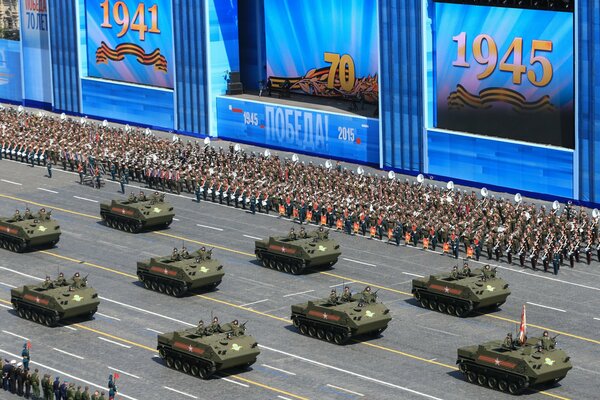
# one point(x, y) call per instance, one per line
point(181, 272)
point(54, 301)
point(510, 367)
point(133, 215)
point(461, 293)
point(296, 254)
point(23, 232)
point(203, 351)
point(337, 321)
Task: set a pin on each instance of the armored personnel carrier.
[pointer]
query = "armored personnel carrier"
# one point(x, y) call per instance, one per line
point(55, 301)
point(24, 232)
point(201, 351)
point(461, 293)
point(181, 272)
point(338, 321)
point(297, 254)
point(133, 215)
point(510, 367)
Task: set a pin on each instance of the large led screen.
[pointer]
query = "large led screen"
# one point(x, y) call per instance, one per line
point(130, 41)
point(505, 72)
point(326, 48)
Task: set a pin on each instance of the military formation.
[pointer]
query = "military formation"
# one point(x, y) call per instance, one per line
point(329, 196)
point(366, 204)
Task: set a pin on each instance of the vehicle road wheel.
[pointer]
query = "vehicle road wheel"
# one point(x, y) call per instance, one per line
point(329, 336)
point(178, 365)
point(471, 377)
point(203, 373)
point(320, 333)
point(303, 329)
point(450, 309)
point(35, 317)
point(312, 332)
point(162, 353)
point(338, 339)
point(21, 313)
point(194, 370)
point(503, 386)
point(459, 311)
point(155, 286)
point(424, 302)
point(169, 290)
point(295, 322)
point(513, 388)
point(287, 268)
point(442, 307)
point(492, 382)
point(27, 314)
point(279, 266)
point(186, 367)
point(481, 379)
point(162, 287)
point(433, 305)
point(148, 284)
point(170, 362)
point(177, 291)
point(48, 320)
point(295, 269)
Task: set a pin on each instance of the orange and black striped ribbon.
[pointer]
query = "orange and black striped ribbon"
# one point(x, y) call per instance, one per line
point(105, 53)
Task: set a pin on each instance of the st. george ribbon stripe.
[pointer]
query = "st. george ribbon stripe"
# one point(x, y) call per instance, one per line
point(105, 53)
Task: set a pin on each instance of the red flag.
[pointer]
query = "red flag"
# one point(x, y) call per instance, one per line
point(116, 376)
point(28, 345)
point(523, 327)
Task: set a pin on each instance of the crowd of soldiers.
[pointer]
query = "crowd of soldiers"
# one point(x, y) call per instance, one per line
point(76, 282)
point(232, 329)
point(18, 379)
point(351, 201)
point(41, 215)
point(366, 296)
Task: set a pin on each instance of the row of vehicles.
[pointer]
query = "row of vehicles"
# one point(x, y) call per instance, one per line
point(512, 367)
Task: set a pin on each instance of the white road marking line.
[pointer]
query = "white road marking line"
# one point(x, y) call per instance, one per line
point(586, 370)
point(85, 199)
point(101, 387)
point(155, 331)
point(123, 372)
point(597, 319)
point(48, 190)
point(254, 302)
point(252, 237)
point(11, 182)
point(346, 390)
point(283, 398)
point(438, 330)
point(209, 227)
point(22, 274)
point(235, 382)
point(145, 311)
point(183, 393)
point(15, 335)
point(107, 316)
point(69, 327)
point(117, 343)
point(366, 378)
point(175, 219)
point(408, 273)
point(67, 353)
point(278, 369)
point(8, 285)
point(359, 262)
point(296, 294)
point(5, 306)
point(433, 359)
point(543, 306)
point(341, 284)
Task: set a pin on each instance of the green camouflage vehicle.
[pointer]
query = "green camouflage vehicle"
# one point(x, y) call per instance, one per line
point(509, 367)
point(339, 321)
point(461, 293)
point(296, 255)
point(21, 233)
point(133, 216)
point(201, 352)
point(181, 272)
point(53, 301)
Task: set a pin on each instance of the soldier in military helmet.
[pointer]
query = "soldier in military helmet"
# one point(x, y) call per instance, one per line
point(47, 283)
point(184, 253)
point(77, 281)
point(466, 271)
point(60, 281)
point(347, 295)
point(333, 298)
point(215, 327)
point(454, 274)
point(292, 234)
point(202, 253)
point(142, 196)
point(17, 216)
point(42, 215)
point(508, 341)
point(236, 328)
point(131, 198)
point(548, 343)
point(27, 214)
point(302, 233)
point(175, 254)
point(201, 329)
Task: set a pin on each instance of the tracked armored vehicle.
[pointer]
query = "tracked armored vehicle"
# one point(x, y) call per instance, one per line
point(511, 367)
point(339, 321)
point(51, 304)
point(296, 255)
point(460, 293)
point(134, 216)
point(198, 352)
point(21, 234)
point(177, 275)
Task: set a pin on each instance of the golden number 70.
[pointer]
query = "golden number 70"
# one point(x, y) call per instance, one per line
point(489, 58)
point(344, 67)
point(122, 17)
